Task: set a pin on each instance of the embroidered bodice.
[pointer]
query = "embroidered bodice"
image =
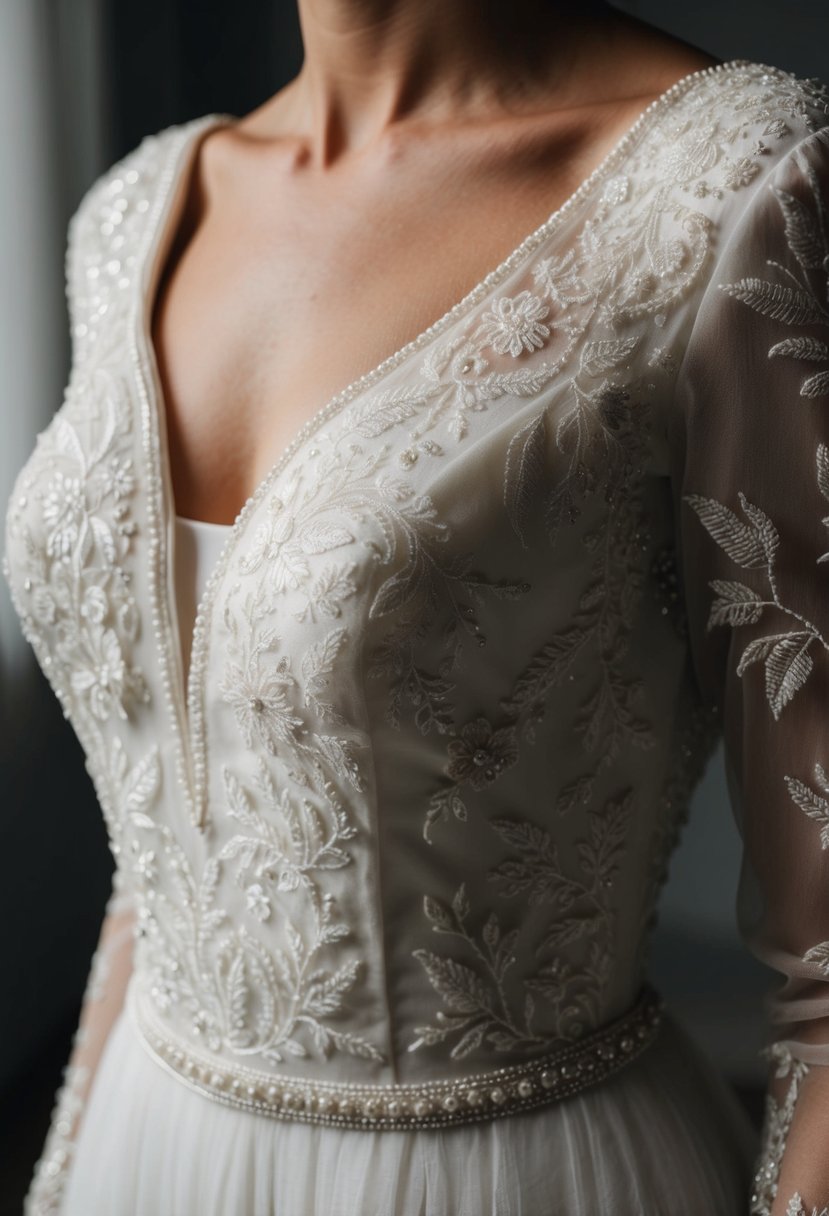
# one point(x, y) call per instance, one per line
point(466, 650)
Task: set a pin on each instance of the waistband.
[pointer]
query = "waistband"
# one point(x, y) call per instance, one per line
point(474, 1098)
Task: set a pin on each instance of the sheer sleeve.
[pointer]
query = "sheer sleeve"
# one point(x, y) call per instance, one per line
point(751, 492)
point(103, 1000)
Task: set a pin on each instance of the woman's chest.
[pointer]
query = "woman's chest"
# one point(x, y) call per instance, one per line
point(283, 291)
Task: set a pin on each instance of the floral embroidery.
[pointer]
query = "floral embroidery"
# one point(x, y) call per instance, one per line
point(795, 1208)
point(542, 391)
point(259, 697)
point(73, 531)
point(240, 996)
point(740, 172)
point(513, 325)
point(776, 1125)
point(752, 545)
point(480, 753)
point(607, 716)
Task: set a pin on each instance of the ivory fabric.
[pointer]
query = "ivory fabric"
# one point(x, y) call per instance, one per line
point(197, 548)
point(399, 806)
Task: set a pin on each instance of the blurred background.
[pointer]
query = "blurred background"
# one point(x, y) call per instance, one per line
point(81, 82)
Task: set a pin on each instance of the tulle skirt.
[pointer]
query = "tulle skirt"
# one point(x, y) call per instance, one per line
point(663, 1137)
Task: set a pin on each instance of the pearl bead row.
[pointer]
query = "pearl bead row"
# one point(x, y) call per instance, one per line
point(475, 1098)
point(155, 467)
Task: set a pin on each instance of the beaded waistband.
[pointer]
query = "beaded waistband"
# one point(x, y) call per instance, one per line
point(470, 1099)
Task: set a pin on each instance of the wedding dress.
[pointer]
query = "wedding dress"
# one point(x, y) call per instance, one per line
point(393, 805)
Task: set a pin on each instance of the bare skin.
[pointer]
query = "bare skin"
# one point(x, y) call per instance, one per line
point(418, 146)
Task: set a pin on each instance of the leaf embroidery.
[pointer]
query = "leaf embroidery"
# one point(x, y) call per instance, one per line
point(523, 473)
point(787, 304)
point(754, 545)
point(776, 1125)
point(479, 1006)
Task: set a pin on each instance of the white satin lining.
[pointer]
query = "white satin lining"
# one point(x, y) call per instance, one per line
point(197, 548)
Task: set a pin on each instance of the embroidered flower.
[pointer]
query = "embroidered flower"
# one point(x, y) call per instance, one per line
point(481, 754)
point(100, 673)
point(260, 702)
point(285, 540)
point(118, 477)
point(44, 605)
point(94, 606)
point(257, 901)
point(288, 879)
point(740, 173)
point(795, 1207)
point(616, 190)
point(269, 537)
point(514, 324)
point(64, 513)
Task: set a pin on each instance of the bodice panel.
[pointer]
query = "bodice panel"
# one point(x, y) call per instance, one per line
point(407, 814)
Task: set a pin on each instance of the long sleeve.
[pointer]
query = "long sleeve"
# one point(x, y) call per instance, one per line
point(103, 999)
point(112, 962)
point(750, 481)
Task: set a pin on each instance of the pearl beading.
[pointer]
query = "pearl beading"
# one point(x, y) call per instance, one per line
point(397, 1107)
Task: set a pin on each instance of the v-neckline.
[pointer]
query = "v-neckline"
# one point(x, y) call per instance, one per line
point(183, 697)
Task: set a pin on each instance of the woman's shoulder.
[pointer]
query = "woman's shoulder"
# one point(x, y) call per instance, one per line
point(719, 130)
point(128, 186)
point(700, 169)
point(109, 225)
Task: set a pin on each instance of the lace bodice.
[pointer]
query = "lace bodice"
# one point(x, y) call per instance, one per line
point(467, 648)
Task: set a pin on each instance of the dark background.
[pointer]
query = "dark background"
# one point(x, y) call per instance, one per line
point(160, 62)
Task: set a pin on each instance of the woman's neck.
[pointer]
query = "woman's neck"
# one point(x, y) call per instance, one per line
point(370, 64)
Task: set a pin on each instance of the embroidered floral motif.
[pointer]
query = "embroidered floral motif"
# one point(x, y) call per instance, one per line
point(513, 325)
point(607, 716)
point(363, 557)
point(776, 1125)
point(259, 697)
point(795, 1208)
point(240, 996)
point(753, 544)
point(480, 753)
point(73, 532)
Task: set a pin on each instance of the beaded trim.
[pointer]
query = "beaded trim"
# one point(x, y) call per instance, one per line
point(471, 1099)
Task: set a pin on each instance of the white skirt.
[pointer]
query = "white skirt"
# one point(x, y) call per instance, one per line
point(663, 1135)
